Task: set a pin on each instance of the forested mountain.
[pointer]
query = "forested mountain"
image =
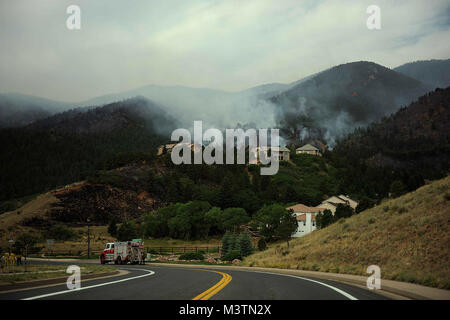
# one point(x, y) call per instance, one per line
point(435, 73)
point(334, 102)
point(18, 110)
point(70, 146)
point(410, 146)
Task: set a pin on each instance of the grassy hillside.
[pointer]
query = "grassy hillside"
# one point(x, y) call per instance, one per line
point(408, 237)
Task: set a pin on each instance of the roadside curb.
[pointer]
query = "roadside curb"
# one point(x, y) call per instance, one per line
point(389, 288)
point(34, 284)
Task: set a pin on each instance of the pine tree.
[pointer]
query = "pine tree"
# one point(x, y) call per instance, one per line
point(112, 228)
point(245, 244)
point(226, 244)
point(236, 246)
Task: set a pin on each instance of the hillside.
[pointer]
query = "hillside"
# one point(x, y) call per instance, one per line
point(406, 237)
point(415, 134)
point(410, 146)
point(139, 187)
point(72, 145)
point(435, 73)
point(336, 101)
point(18, 110)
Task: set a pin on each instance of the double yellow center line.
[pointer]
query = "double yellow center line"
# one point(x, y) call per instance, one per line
point(226, 278)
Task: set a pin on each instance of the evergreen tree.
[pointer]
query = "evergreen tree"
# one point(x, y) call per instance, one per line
point(397, 188)
point(236, 246)
point(324, 219)
point(245, 242)
point(226, 244)
point(112, 227)
point(127, 231)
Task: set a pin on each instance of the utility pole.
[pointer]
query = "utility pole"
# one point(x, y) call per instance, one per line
point(89, 239)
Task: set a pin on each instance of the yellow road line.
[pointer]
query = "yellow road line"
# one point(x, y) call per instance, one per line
point(226, 278)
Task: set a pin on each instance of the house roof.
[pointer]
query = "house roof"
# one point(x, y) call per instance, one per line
point(307, 147)
point(302, 208)
point(271, 148)
point(302, 217)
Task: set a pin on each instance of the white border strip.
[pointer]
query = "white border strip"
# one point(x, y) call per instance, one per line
point(345, 294)
point(93, 286)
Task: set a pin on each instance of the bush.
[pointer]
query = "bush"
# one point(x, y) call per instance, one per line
point(60, 233)
point(191, 256)
point(112, 227)
point(127, 231)
point(262, 245)
point(233, 254)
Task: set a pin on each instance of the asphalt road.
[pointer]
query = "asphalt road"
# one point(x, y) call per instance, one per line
point(170, 283)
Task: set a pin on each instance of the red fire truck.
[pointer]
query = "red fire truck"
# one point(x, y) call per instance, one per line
point(132, 252)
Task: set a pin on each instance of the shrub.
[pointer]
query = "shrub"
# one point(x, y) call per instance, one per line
point(60, 233)
point(262, 245)
point(233, 254)
point(112, 227)
point(191, 256)
point(127, 231)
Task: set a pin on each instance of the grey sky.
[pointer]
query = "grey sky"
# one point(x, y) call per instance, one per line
point(229, 45)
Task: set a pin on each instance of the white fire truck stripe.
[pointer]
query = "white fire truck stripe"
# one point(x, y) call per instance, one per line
point(149, 273)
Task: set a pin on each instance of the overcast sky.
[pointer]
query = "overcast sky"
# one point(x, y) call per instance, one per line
point(228, 45)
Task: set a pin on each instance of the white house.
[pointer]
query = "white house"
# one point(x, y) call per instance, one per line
point(306, 219)
point(332, 203)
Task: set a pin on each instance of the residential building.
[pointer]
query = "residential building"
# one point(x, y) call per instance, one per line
point(306, 219)
point(282, 153)
point(308, 149)
point(332, 203)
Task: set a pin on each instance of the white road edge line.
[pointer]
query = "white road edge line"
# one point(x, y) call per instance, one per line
point(345, 294)
point(93, 286)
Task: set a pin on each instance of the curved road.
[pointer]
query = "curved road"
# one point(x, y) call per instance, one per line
point(172, 283)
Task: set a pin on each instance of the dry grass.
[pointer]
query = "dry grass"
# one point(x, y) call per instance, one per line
point(12, 274)
point(408, 237)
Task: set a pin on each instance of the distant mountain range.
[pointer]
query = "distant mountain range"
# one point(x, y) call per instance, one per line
point(417, 136)
point(435, 73)
point(324, 106)
point(342, 98)
point(133, 112)
point(18, 109)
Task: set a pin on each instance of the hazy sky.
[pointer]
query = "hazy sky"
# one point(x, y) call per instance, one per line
point(229, 45)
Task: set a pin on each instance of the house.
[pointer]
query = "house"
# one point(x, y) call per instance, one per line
point(308, 149)
point(332, 203)
point(282, 153)
point(306, 218)
point(167, 148)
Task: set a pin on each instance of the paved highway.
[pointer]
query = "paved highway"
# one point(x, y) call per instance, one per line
point(172, 283)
